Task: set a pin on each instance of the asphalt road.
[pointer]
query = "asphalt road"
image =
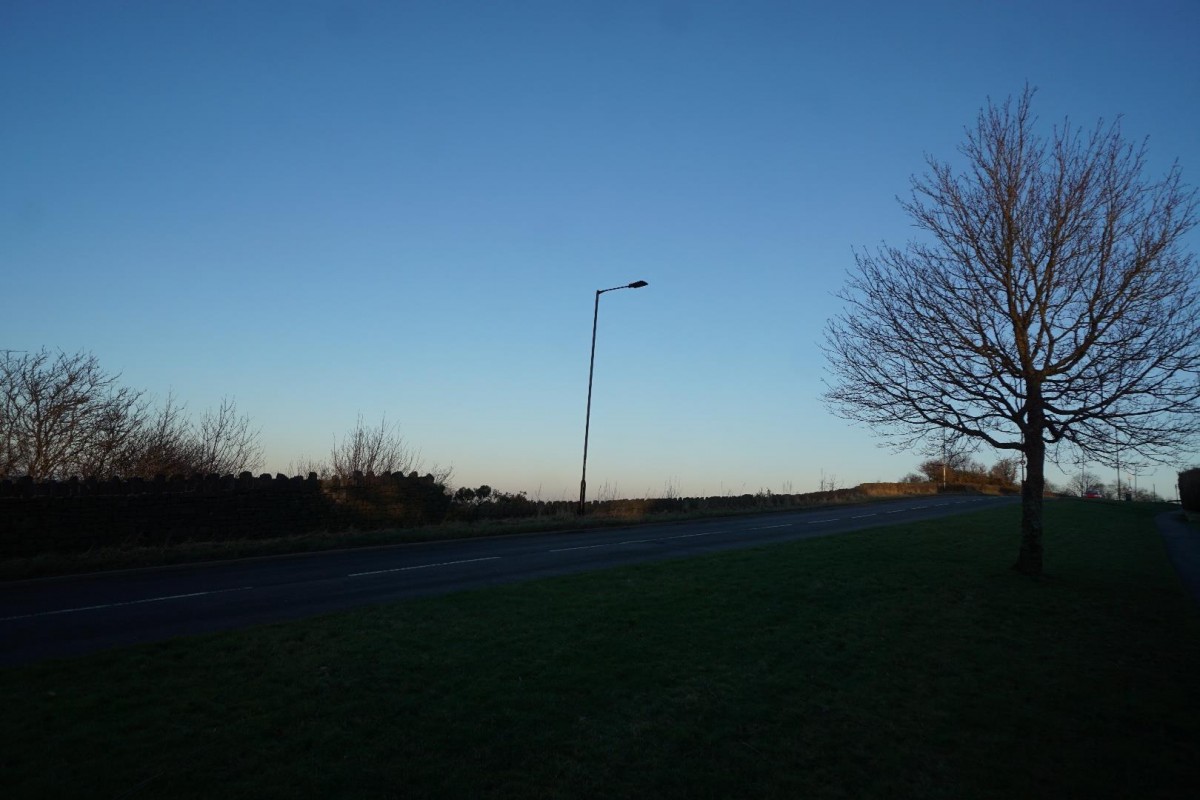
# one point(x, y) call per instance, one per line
point(1183, 548)
point(60, 617)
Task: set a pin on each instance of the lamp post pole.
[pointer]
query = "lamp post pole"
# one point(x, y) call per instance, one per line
point(587, 425)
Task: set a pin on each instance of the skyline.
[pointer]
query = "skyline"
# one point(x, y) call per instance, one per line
point(330, 209)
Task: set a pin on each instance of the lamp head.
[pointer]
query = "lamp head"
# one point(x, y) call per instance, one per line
point(637, 285)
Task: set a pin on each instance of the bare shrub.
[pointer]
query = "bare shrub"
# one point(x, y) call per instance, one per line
point(225, 441)
point(373, 450)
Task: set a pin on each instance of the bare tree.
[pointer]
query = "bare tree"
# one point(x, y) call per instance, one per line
point(829, 483)
point(957, 469)
point(1004, 471)
point(1050, 300)
point(1084, 483)
point(948, 457)
point(63, 415)
point(373, 450)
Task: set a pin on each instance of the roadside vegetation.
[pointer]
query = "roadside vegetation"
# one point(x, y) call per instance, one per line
point(473, 513)
point(899, 662)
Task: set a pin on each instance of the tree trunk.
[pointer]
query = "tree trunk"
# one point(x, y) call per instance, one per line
point(1029, 561)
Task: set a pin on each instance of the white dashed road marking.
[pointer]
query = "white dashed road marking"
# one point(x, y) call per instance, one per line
point(126, 603)
point(422, 566)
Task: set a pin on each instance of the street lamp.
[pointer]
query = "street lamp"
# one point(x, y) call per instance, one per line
point(591, 369)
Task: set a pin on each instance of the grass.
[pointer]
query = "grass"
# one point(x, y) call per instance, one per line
point(900, 662)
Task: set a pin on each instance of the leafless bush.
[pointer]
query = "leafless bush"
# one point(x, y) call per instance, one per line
point(306, 465)
point(373, 450)
point(225, 441)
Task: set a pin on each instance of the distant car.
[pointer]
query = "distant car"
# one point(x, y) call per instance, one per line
point(1092, 495)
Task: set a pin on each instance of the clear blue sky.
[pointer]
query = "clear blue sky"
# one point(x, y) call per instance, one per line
point(330, 208)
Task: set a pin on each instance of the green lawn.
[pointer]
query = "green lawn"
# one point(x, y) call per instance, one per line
point(900, 662)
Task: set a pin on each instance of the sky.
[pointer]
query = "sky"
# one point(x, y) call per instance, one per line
point(403, 210)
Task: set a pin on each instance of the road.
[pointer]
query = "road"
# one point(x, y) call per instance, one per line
point(74, 615)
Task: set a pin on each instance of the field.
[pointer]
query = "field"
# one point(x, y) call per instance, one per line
point(898, 662)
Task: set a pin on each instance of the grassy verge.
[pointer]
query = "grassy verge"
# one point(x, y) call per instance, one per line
point(900, 662)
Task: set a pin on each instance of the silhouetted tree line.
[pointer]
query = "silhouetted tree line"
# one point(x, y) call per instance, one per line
point(485, 503)
point(960, 470)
